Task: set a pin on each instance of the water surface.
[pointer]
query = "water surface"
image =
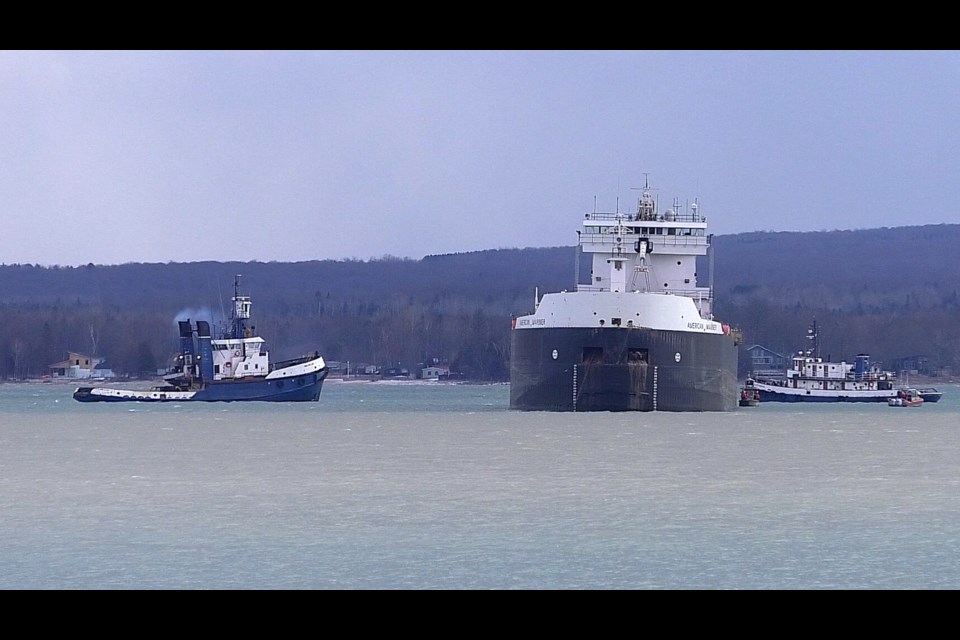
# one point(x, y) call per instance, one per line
point(441, 486)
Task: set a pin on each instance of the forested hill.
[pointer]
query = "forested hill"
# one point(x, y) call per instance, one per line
point(452, 308)
point(494, 276)
point(891, 291)
point(843, 269)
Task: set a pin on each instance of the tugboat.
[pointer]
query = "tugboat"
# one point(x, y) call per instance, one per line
point(810, 379)
point(234, 367)
point(641, 335)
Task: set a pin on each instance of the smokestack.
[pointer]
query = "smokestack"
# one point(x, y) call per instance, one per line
point(205, 351)
point(187, 351)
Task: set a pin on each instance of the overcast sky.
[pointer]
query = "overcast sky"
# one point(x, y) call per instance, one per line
point(140, 156)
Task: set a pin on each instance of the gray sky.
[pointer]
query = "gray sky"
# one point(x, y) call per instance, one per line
point(140, 156)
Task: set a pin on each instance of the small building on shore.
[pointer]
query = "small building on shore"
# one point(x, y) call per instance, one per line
point(79, 366)
point(766, 363)
point(435, 372)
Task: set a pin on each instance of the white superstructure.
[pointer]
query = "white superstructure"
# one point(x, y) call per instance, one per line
point(643, 273)
point(648, 252)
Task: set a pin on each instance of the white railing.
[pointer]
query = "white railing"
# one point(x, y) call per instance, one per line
point(697, 294)
point(636, 217)
point(630, 238)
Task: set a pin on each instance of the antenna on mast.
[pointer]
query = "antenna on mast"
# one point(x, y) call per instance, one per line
point(813, 334)
point(241, 310)
point(647, 205)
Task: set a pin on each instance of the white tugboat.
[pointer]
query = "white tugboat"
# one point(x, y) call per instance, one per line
point(810, 379)
point(641, 335)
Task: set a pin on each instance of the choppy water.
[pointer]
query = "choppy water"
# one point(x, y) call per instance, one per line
point(381, 486)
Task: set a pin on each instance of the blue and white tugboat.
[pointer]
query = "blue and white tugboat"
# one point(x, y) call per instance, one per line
point(641, 335)
point(234, 367)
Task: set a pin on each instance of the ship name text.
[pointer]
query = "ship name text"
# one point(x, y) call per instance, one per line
point(528, 322)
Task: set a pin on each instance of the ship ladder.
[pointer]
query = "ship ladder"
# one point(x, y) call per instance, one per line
point(574, 387)
point(654, 387)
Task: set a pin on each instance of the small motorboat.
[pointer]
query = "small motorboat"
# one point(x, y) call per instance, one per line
point(749, 398)
point(906, 398)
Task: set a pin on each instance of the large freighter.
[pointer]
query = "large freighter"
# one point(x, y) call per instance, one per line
point(641, 336)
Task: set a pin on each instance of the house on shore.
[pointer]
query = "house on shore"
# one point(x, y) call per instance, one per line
point(435, 372)
point(79, 366)
point(766, 363)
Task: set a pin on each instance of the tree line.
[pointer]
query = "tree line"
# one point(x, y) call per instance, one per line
point(889, 292)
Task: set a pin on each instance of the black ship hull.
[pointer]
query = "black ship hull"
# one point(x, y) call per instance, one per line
point(622, 369)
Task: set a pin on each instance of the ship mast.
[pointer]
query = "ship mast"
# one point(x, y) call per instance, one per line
point(618, 276)
point(241, 310)
point(814, 335)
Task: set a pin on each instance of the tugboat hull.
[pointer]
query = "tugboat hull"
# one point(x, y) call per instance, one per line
point(297, 388)
point(770, 393)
